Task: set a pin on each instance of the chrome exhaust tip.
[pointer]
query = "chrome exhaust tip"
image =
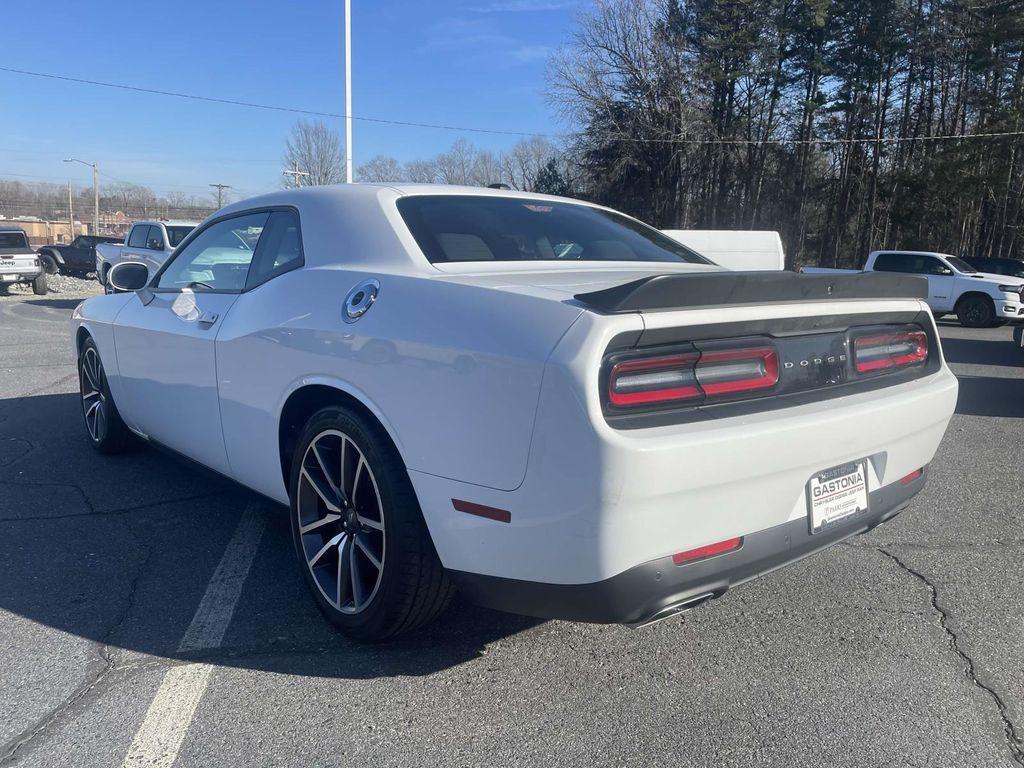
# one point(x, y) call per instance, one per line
point(673, 610)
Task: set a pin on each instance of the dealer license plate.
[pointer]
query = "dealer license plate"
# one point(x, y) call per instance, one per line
point(8, 278)
point(836, 494)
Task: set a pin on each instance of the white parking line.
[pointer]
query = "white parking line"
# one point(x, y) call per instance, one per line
point(162, 732)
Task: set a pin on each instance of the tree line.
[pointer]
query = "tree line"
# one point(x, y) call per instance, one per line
point(135, 201)
point(823, 119)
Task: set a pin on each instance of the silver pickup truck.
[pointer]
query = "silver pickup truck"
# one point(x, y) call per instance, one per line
point(149, 242)
point(19, 263)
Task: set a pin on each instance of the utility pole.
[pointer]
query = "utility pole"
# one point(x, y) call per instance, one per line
point(295, 173)
point(71, 213)
point(348, 91)
point(220, 193)
point(95, 192)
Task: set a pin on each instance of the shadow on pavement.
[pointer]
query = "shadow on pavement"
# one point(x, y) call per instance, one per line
point(990, 396)
point(55, 303)
point(120, 550)
point(982, 352)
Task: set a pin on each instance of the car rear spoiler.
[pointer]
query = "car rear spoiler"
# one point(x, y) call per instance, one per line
point(716, 289)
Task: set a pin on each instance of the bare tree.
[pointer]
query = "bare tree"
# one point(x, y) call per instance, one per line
point(421, 171)
point(381, 168)
point(315, 151)
point(523, 163)
point(132, 199)
point(486, 169)
point(456, 166)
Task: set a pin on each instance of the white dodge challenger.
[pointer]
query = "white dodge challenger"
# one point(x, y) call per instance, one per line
point(541, 402)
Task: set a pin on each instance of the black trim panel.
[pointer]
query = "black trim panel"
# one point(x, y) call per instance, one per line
point(640, 593)
point(722, 289)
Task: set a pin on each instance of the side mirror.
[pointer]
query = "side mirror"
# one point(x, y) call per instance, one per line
point(128, 276)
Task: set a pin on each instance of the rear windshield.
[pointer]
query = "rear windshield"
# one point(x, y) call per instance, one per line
point(459, 228)
point(177, 234)
point(13, 240)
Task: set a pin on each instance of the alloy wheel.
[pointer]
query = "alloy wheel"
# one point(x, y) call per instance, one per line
point(341, 521)
point(94, 401)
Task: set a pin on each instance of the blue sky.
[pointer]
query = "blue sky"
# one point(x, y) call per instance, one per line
point(479, 63)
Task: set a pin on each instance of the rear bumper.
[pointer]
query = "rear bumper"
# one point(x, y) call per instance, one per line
point(13, 277)
point(659, 587)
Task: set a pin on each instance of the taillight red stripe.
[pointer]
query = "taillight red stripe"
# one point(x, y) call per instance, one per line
point(911, 477)
point(709, 550)
point(481, 510)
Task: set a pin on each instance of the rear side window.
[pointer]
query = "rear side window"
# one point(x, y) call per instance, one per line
point(894, 262)
point(461, 228)
point(176, 234)
point(155, 241)
point(911, 263)
point(279, 250)
point(138, 236)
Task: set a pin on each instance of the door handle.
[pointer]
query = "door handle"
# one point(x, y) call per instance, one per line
point(208, 318)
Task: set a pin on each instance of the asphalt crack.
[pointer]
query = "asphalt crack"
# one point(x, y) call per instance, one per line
point(103, 666)
point(1010, 736)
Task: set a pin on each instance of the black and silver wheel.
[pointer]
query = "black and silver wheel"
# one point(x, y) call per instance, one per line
point(358, 530)
point(976, 312)
point(39, 286)
point(107, 432)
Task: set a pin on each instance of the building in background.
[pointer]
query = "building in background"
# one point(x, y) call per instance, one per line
point(43, 232)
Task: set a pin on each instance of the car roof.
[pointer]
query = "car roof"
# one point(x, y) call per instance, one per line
point(994, 258)
point(914, 253)
point(377, 238)
point(369, 191)
point(171, 223)
point(12, 229)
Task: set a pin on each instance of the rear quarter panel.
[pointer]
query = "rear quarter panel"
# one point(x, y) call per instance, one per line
point(453, 372)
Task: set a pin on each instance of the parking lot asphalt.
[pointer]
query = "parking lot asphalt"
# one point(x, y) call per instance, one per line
point(153, 614)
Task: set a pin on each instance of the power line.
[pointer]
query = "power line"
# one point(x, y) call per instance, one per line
point(273, 107)
point(220, 193)
point(678, 139)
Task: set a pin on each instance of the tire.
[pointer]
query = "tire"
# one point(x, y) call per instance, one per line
point(371, 565)
point(103, 425)
point(976, 312)
point(49, 263)
point(39, 286)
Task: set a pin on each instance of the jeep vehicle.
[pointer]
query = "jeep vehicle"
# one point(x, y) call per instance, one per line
point(19, 264)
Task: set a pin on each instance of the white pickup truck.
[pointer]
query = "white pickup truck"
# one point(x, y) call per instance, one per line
point(149, 242)
point(19, 263)
point(978, 299)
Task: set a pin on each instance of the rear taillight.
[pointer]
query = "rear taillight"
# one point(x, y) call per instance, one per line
point(892, 349)
point(730, 371)
point(693, 376)
point(654, 380)
point(709, 550)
